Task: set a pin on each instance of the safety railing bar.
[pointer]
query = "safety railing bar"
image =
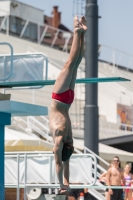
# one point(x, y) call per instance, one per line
point(22, 120)
point(27, 54)
point(43, 34)
point(66, 43)
point(77, 151)
point(99, 167)
point(3, 21)
point(76, 186)
point(25, 175)
point(11, 55)
point(98, 173)
point(25, 171)
point(46, 136)
point(80, 152)
point(28, 152)
point(44, 155)
point(23, 129)
point(55, 37)
point(95, 169)
point(86, 149)
point(35, 22)
point(115, 132)
point(24, 54)
point(118, 124)
point(39, 24)
point(50, 173)
point(42, 132)
point(24, 28)
point(39, 123)
point(116, 50)
point(96, 156)
point(17, 177)
point(44, 118)
point(46, 77)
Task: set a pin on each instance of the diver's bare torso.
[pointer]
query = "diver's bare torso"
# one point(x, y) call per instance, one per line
point(59, 121)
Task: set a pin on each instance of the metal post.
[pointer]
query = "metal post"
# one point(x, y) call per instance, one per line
point(18, 189)
point(7, 25)
point(91, 57)
point(5, 119)
point(24, 28)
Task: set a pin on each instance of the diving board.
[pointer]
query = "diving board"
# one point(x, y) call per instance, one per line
point(51, 82)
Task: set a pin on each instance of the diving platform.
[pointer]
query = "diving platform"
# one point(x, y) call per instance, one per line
point(7, 110)
point(15, 108)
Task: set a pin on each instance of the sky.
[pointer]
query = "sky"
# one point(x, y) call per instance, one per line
point(115, 25)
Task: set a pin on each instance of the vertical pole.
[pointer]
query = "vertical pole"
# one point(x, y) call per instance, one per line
point(18, 160)
point(2, 192)
point(38, 33)
point(7, 25)
point(91, 58)
point(5, 119)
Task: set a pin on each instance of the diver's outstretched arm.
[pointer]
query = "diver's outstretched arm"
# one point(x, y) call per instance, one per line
point(58, 161)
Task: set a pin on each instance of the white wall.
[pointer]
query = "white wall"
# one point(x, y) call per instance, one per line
point(21, 10)
point(4, 8)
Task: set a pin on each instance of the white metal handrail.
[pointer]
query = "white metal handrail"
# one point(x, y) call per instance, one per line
point(98, 157)
point(21, 56)
point(113, 130)
point(11, 59)
point(109, 129)
point(39, 37)
point(101, 169)
point(47, 137)
point(32, 126)
point(117, 57)
point(46, 185)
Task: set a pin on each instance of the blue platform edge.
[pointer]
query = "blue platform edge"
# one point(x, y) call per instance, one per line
point(22, 109)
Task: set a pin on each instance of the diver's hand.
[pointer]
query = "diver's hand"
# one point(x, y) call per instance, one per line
point(110, 191)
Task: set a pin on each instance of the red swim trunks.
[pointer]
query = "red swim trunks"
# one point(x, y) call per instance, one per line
point(65, 97)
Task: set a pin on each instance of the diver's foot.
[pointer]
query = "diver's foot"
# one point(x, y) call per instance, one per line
point(78, 27)
point(83, 22)
point(62, 192)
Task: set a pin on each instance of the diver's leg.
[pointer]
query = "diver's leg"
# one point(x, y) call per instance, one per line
point(64, 79)
point(83, 22)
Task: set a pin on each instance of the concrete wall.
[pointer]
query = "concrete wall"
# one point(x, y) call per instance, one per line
point(4, 8)
point(22, 11)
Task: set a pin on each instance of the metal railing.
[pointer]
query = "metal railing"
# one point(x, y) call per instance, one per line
point(40, 34)
point(108, 129)
point(49, 185)
point(114, 56)
point(41, 128)
point(11, 60)
point(34, 125)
